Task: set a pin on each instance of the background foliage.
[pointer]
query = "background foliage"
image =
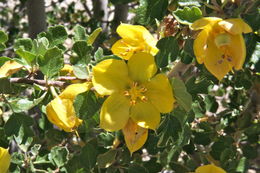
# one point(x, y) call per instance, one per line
point(213, 121)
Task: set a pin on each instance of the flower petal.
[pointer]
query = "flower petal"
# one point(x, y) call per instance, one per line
point(135, 136)
point(204, 22)
point(122, 49)
point(5, 160)
point(237, 49)
point(199, 45)
point(73, 90)
point(62, 114)
point(9, 68)
point(159, 92)
point(109, 76)
point(141, 67)
point(132, 32)
point(145, 115)
point(235, 26)
point(114, 112)
point(209, 169)
point(214, 62)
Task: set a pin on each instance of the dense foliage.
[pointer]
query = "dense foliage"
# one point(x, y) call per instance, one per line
point(56, 89)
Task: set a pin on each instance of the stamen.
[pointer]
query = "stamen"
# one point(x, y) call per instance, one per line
point(126, 93)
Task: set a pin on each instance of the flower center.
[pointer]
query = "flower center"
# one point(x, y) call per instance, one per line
point(135, 93)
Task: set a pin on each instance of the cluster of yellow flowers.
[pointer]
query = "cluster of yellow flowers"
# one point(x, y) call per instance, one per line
point(137, 94)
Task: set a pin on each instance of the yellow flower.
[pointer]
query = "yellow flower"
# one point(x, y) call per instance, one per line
point(135, 92)
point(220, 44)
point(60, 111)
point(9, 68)
point(209, 169)
point(135, 38)
point(5, 159)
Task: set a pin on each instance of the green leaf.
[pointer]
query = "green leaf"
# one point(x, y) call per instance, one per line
point(242, 165)
point(189, 2)
point(2, 46)
point(3, 59)
point(25, 49)
point(24, 44)
point(80, 33)
point(24, 104)
point(168, 51)
point(56, 35)
point(41, 46)
point(211, 103)
point(6, 87)
point(52, 62)
point(197, 86)
point(93, 36)
point(183, 98)
point(99, 54)
point(106, 159)
point(149, 10)
point(80, 71)
point(168, 130)
point(86, 105)
point(187, 15)
point(85, 161)
point(197, 109)
point(134, 168)
point(18, 125)
point(89, 156)
point(3, 37)
point(83, 50)
point(116, 2)
point(58, 156)
point(26, 55)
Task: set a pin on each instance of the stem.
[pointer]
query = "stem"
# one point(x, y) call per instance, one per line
point(53, 92)
point(39, 82)
point(7, 102)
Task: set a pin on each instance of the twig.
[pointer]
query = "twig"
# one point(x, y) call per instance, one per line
point(5, 99)
point(87, 9)
point(39, 82)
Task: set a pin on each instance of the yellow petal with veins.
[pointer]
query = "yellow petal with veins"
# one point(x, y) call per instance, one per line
point(132, 33)
point(109, 76)
point(135, 136)
point(114, 112)
point(237, 49)
point(5, 159)
point(122, 49)
point(9, 68)
point(205, 22)
point(61, 113)
point(74, 89)
point(209, 169)
point(159, 92)
point(214, 62)
point(235, 26)
point(145, 115)
point(141, 67)
point(200, 45)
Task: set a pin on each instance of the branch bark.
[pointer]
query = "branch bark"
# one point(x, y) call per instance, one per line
point(39, 82)
point(36, 17)
point(100, 9)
